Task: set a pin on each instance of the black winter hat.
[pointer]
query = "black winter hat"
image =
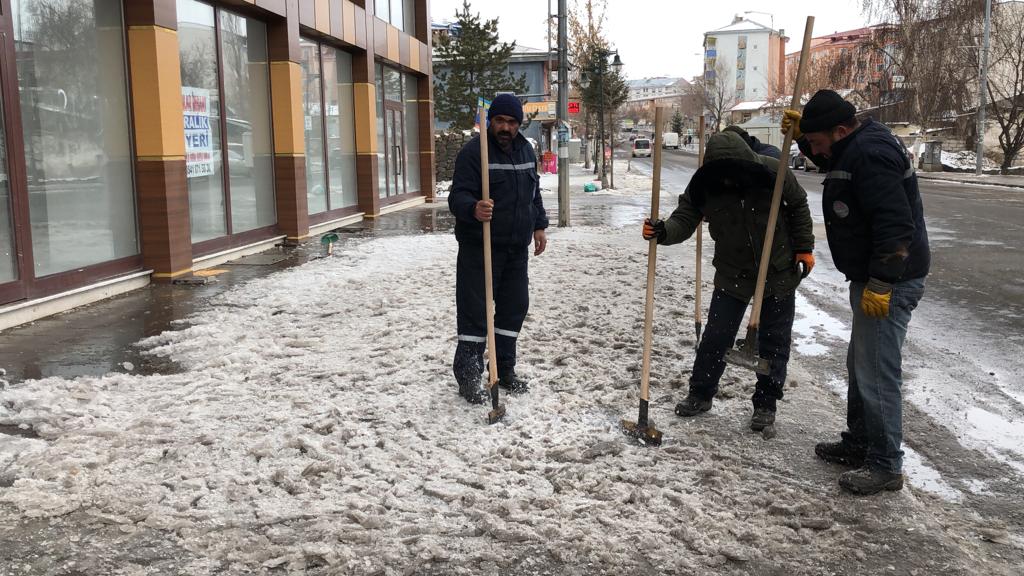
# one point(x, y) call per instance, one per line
point(824, 111)
point(506, 105)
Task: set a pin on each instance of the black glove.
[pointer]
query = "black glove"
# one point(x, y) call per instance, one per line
point(654, 229)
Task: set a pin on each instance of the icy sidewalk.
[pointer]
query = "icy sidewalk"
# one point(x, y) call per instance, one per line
point(323, 435)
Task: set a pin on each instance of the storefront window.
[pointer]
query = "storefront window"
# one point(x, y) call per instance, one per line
point(330, 127)
point(247, 110)
point(316, 182)
point(382, 170)
point(412, 134)
point(197, 45)
point(241, 116)
point(74, 111)
point(341, 128)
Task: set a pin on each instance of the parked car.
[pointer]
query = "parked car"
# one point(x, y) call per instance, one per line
point(670, 140)
point(796, 157)
point(641, 147)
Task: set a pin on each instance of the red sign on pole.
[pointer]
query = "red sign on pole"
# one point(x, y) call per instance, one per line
point(574, 107)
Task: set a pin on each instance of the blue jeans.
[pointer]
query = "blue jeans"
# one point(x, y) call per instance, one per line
point(874, 403)
point(773, 340)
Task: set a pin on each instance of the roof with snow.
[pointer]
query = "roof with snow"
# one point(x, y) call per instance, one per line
point(749, 106)
point(741, 25)
point(656, 82)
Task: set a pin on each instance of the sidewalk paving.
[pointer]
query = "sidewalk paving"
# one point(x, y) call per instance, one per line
point(300, 418)
point(970, 178)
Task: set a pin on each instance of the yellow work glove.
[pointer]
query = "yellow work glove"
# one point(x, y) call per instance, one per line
point(791, 118)
point(874, 302)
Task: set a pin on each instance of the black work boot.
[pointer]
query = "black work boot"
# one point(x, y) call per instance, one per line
point(762, 418)
point(692, 405)
point(840, 453)
point(514, 384)
point(867, 480)
point(474, 392)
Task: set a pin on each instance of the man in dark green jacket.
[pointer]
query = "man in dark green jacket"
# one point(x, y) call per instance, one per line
point(732, 191)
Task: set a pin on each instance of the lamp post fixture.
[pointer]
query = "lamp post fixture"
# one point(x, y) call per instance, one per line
point(599, 68)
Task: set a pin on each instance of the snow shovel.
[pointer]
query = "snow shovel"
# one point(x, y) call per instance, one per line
point(643, 429)
point(497, 410)
point(700, 245)
point(745, 353)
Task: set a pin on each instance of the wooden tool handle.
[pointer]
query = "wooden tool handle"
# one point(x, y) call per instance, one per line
point(652, 254)
point(700, 230)
point(485, 182)
point(780, 178)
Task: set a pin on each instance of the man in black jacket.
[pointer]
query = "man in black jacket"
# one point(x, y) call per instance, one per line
point(733, 191)
point(876, 233)
point(516, 213)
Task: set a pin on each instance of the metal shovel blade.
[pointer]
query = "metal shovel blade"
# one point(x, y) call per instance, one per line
point(497, 410)
point(745, 354)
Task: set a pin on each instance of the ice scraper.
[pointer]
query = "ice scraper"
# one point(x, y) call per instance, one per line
point(643, 429)
point(745, 353)
point(497, 410)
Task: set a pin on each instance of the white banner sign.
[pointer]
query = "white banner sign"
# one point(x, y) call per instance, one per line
point(198, 135)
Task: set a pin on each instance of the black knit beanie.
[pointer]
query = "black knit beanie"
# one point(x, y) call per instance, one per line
point(506, 105)
point(824, 111)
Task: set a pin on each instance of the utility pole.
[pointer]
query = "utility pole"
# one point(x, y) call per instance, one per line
point(983, 88)
point(562, 116)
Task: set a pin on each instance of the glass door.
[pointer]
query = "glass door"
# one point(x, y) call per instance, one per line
point(394, 131)
point(10, 288)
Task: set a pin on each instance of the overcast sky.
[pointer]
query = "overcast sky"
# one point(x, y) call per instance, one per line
point(662, 37)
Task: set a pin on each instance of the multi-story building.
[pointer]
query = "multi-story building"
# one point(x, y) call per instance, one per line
point(646, 88)
point(143, 140)
point(850, 59)
point(746, 60)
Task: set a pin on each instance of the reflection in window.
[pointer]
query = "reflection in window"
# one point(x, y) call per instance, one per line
point(197, 47)
point(247, 112)
point(341, 128)
point(412, 134)
point(74, 114)
point(8, 259)
point(316, 184)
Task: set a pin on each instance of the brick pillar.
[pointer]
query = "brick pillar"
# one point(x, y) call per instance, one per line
point(159, 134)
point(425, 99)
point(289, 142)
point(365, 100)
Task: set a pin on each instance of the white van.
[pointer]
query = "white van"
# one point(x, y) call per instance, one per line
point(670, 140)
point(641, 147)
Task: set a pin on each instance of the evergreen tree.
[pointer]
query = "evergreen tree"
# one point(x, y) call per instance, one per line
point(469, 64)
point(677, 122)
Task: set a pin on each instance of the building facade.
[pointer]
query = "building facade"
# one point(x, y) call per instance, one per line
point(646, 88)
point(747, 59)
point(146, 139)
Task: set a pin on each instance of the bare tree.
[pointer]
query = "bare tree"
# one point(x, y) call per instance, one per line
point(716, 94)
point(1006, 80)
point(923, 40)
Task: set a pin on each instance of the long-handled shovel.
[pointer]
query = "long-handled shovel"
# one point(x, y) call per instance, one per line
point(643, 429)
point(497, 410)
point(700, 246)
point(745, 353)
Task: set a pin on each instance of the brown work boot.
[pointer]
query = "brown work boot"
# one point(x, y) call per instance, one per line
point(866, 480)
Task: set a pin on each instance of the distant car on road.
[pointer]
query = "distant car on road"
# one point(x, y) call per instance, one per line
point(641, 147)
point(798, 160)
point(670, 140)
